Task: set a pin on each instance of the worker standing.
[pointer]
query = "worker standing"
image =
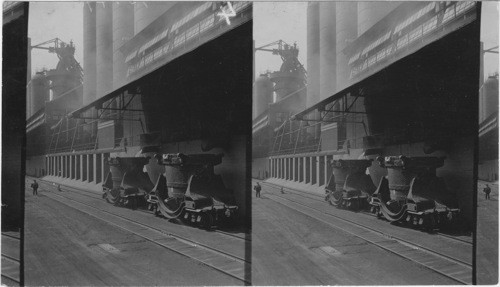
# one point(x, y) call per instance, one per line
point(257, 190)
point(487, 191)
point(34, 185)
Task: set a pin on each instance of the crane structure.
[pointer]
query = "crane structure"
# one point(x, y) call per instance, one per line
point(289, 55)
point(68, 74)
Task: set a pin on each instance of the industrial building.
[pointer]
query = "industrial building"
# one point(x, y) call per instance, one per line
point(156, 78)
point(488, 129)
point(382, 81)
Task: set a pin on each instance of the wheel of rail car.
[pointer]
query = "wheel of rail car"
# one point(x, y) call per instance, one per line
point(207, 221)
point(335, 199)
point(429, 222)
point(113, 196)
point(156, 211)
point(355, 204)
point(131, 202)
point(170, 207)
point(407, 219)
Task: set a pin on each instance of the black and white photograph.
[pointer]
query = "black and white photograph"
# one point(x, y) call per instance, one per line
point(137, 139)
point(364, 134)
point(267, 143)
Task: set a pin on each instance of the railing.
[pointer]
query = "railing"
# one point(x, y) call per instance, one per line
point(296, 137)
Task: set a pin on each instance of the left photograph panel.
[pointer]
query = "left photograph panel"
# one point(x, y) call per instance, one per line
point(138, 144)
point(14, 74)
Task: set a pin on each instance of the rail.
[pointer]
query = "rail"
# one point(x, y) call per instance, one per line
point(220, 260)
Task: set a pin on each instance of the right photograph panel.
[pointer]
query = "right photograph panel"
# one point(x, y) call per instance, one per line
point(487, 184)
point(365, 139)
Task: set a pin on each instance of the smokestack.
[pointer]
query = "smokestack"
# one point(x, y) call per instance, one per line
point(327, 43)
point(123, 30)
point(104, 48)
point(347, 30)
point(89, 52)
point(313, 50)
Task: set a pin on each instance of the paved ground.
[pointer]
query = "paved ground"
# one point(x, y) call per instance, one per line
point(289, 248)
point(487, 236)
point(64, 246)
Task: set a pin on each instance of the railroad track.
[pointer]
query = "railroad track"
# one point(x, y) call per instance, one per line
point(10, 262)
point(320, 198)
point(220, 260)
point(446, 265)
point(99, 197)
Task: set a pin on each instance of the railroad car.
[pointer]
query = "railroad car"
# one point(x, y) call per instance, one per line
point(189, 190)
point(126, 184)
point(412, 193)
point(349, 185)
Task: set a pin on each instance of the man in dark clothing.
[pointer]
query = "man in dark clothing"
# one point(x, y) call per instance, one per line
point(487, 191)
point(34, 185)
point(257, 190)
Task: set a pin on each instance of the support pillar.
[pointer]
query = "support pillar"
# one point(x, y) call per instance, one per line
point(103, 170)
point(326, 169)
point(271, 161)
point(105, 165)
point(314, 170)
point(82, 166)
point(78, 167)
point(319, 170)
point(308, 169)
point(287, 171)
point(66, 166)
point(274, 168)
point(98, 168)
point(87, 161)
point(282, 168)
point(270, 167)
point(279, 167)
point(296, 169)
point(70, 167)
point(91, 166)
point(303, 169)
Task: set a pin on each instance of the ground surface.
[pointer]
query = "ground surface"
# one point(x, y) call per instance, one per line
point(64, 246)
point(291, 248)
point(487, 235)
